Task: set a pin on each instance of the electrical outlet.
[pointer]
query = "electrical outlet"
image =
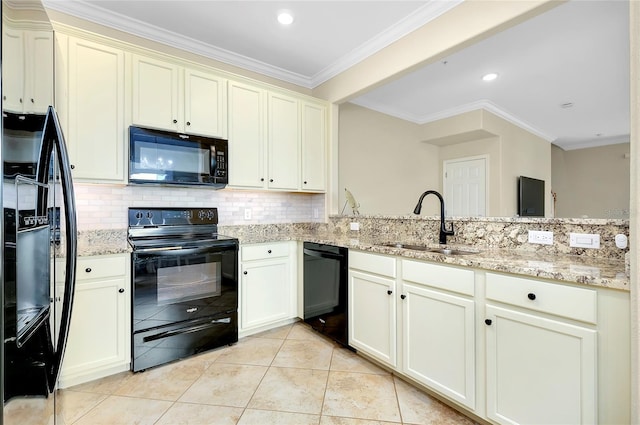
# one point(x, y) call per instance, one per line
point(541, 237)
point(584, 240)
point(247, 213)
point(355, 226)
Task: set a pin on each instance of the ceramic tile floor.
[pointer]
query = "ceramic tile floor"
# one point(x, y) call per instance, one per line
point(289, 375)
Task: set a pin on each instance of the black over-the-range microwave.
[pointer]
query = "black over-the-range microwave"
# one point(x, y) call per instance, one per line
point(164, 157)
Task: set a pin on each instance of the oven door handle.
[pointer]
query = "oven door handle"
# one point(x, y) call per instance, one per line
point(178, 250)
point(198, 328)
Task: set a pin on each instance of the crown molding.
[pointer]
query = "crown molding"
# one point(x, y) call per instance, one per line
point(95, 14)
point(410, 23)
point(567, 145)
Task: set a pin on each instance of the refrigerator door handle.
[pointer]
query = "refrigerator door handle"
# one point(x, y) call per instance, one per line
point(71, 241)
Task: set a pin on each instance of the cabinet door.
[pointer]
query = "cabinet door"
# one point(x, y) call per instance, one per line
point(246, 136)
point(13, 69)
point(439, 342)
point(205, 104)
point(39, 84)
point(283, 142)
point(96, 132)
point(539, 371)
point(266, 294)
point(372, 315)
point(98, 334)
point(156, 94)
point(314, 145)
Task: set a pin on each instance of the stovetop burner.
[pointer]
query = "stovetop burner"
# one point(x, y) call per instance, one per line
point(174, 227)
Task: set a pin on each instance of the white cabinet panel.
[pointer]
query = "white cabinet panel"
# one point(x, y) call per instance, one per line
point(95, 130)
point(314, 146)
point(372, 315)
point(283, 142)
point(155, 93)
point(539, 371)
point(439, 341)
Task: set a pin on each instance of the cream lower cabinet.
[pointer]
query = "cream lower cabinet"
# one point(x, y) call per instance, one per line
point(438, 342)
point(99, 341)
point(541, 367)
point(268, 294)
point(372, 305)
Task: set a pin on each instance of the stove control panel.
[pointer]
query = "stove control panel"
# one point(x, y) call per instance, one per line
point(148, 217)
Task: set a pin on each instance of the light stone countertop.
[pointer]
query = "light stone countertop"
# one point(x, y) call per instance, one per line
point(608, 273)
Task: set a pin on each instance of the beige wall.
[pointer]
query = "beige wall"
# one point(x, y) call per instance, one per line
point(414, 155)
point(592, 182)
point(383, 163)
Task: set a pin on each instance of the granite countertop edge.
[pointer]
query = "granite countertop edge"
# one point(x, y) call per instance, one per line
point(607, 273)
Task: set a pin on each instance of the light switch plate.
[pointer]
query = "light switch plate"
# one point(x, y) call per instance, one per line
point(584, 240)
point(541, 237)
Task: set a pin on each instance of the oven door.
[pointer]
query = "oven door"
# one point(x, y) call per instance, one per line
point(176, 284)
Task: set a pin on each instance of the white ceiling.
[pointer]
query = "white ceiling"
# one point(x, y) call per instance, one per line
point(577, 52)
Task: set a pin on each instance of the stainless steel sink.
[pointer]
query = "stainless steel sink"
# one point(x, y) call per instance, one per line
point(444, 251)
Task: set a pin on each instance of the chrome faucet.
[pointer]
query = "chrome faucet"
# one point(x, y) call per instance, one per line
point(444, 232)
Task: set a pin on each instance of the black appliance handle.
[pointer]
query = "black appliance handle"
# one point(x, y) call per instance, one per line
point(178, 250)
point(323, 254)
point(166, 334)
point(57, 140)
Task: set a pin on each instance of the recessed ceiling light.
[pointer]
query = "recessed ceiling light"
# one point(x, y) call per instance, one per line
point(285, 18)
point(489, 77)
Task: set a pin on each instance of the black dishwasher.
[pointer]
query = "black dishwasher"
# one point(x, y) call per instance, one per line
point(325, 290)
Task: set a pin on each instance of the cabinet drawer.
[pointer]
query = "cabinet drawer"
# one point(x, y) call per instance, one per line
point(96, 268)
point(373, 263)
point(443, 277)
point(560, 300)
point(264, 251)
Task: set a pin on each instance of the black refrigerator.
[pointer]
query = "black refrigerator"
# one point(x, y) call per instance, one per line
point(39, 234)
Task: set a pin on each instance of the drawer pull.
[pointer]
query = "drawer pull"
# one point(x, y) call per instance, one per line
point(88, 270)
point(531, 296)
point(488, 322)
point(389, 292)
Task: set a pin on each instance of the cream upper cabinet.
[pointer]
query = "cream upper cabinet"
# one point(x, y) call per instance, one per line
point(247, 167)
point(314, 146)
point(27, 61)
point(90, 87)
point(175, 98)
point(280, 140)
point(283, 134)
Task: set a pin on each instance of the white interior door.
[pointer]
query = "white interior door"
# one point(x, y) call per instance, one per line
point(465, 188)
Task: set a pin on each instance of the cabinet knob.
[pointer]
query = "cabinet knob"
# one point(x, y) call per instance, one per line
point(20, 100)
point(389, 292)
point(244, 273)
point(73, 167)
point(121, 290)
point(88, 270)
point(531, 296)
point(175, 121)
point(488, 322)
point(269, 252)
point(188, 123)
point(403, 296)
point(271, 180)
point(304, 182)
point(262, 179)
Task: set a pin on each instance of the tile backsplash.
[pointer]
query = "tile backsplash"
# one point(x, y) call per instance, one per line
point(101, 206)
